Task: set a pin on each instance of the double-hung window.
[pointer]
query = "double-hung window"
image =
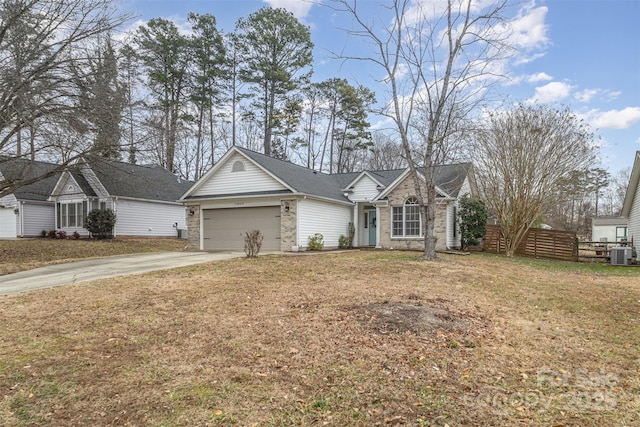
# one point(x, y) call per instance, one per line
point(406, 219)
point(71, 215)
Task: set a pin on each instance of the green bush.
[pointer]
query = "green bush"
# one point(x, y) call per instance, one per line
point(100, 223)
point(472, 215)
point(316, 242)
point(343, 242)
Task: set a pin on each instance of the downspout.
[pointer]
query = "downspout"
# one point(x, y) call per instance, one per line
point(115, 211)
point(378, 245)
point(21, 219)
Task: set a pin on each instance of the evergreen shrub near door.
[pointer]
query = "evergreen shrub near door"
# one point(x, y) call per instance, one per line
point(100, 223)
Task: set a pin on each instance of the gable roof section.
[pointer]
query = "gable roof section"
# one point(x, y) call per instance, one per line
point(301, 179)
point(151, 182)
point(449, 179)
point(23, 170)
point(632, 188)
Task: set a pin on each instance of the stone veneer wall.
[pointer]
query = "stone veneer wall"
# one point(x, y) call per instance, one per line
point(288, 224)
point(193, 227)
point(396, 198)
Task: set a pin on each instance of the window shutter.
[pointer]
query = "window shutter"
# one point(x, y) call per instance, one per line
point(57, 215)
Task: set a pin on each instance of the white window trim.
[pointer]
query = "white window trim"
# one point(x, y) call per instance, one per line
point(404, 221)
point(64, 219)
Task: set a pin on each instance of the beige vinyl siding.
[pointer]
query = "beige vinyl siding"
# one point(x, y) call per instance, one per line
point(37, 217)
point(633, 231)
point(329, 219)
point(364, 189)
point(251, 179)
point(145, 218)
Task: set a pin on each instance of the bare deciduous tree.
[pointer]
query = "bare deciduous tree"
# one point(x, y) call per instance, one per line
point(522, 156)
point(41, 43)
point(437, 64)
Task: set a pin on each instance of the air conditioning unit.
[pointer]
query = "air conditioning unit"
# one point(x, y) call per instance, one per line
point(621, 256)
point(182, 233)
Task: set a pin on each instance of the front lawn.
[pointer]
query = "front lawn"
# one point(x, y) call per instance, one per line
point(25, 254)
point(353, 339)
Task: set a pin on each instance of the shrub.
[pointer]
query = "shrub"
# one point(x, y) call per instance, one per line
point(100, 223)
point(76, 235)
point(61, 234)
point(316, 242)
point(52, 234)
point(252, 243)
point(472, 216)
point(43, 233)
point(346, 242)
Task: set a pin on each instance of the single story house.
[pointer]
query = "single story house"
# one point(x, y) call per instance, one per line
point(608, 228)
point(288, 203)
point(144, 198)
point(27, 211)
point(631, 206)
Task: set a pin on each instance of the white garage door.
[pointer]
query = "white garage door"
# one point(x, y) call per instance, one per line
point(225, 228)
point(7, 223)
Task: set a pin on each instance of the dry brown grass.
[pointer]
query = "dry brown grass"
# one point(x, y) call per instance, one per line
point(355, 339)
point(25, 254)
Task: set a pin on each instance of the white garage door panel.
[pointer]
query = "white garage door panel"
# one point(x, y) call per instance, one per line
point(7, 223)
point(226, 228)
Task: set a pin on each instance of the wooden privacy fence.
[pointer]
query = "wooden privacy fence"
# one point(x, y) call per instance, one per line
point(537, 242)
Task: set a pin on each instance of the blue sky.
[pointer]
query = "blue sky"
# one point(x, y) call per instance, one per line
point(584, 54)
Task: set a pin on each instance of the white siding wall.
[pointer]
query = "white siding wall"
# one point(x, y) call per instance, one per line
point(252, 179)
point(37, 217)
point(329, 219)
point(465, 189)
point(598, 232)
point(364, 189)
point(451, 240)
point(7, 223)
point(9, 200)
point(140, 218)
point(633, 232)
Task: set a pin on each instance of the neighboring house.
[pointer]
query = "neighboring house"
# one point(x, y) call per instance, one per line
point(144, 198)
point(608, 228)
point(27, 211)
point(631, 206)
point(246, 190)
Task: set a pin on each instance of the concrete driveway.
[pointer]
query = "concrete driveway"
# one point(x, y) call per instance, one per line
point(102, 268)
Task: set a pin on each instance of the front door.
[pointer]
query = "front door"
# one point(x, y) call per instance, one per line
point(372, 228)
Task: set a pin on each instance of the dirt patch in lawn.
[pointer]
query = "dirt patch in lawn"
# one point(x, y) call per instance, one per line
point(356, 339)
point(417, 317)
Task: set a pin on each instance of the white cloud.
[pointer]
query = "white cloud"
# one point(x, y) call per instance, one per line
point(539, 77)
point(529, 30)
point(299, 8)
point(613, 119)
point(551, 92)
point(586, 95)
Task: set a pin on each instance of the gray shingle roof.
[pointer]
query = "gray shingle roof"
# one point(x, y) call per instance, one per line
point(23, 170)
point(451, 177)
point(448, 177)
point(140, 182)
